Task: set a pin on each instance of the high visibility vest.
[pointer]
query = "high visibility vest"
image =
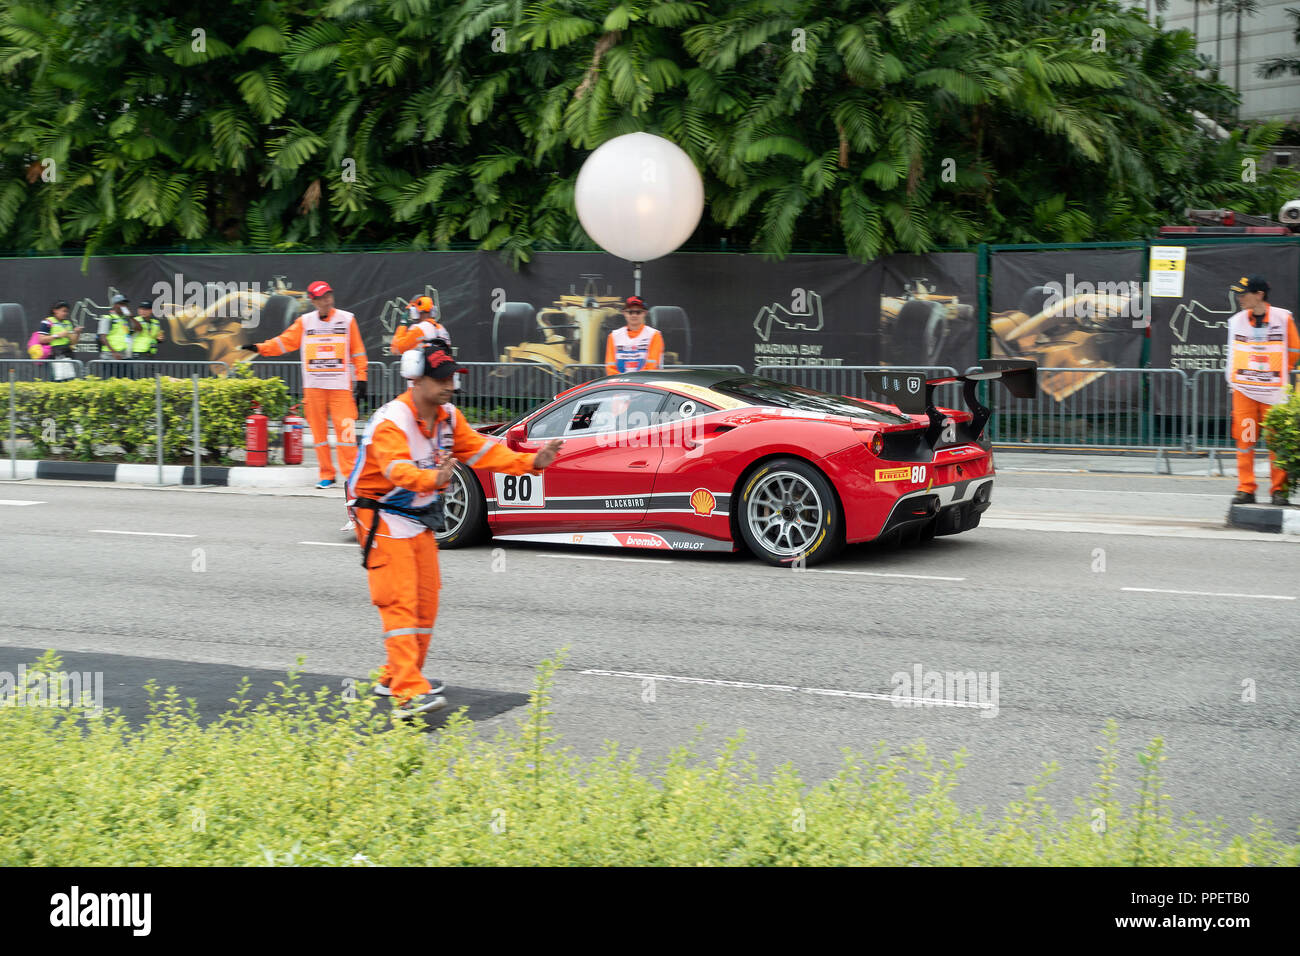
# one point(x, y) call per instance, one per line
point(59, 331)
point(325, 362)
point(1257, 357)
point(119, 334)
point(145, 341)
point(432, 330)
point(422, 454)
point(631, 354)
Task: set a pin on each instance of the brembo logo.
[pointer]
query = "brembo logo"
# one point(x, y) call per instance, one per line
point(643, 541)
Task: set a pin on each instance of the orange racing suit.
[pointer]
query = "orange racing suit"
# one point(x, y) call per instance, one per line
point(408, 337)
point(333, 357)
point(396, 465)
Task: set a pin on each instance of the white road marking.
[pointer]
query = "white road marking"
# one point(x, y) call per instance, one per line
point(1204, 530)
point(885, 574)
point(602, 557)
point(790, 688)
point(147, 534)
point(1106, 491)
point(331, 544)
point(17, 503)
point(1268, 597)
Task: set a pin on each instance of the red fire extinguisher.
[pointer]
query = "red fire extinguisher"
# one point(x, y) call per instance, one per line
point(255, 437)
point(291, 431)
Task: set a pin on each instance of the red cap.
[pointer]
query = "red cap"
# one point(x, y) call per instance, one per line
point(634, 302)
point(318, 289)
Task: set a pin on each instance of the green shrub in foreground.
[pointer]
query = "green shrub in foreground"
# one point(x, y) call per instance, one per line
point(313, 779)
point(1282, 435)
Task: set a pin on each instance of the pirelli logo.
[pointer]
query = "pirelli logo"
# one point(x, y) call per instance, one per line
point(913, 473)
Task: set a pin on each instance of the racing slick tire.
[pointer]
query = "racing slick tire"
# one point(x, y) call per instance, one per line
point(465, 509)
point(277, 312)
point(1034, 300)
point(675, 327)
point(910, 327)
point(13, 324)
point(513, 324)
point(789, 511)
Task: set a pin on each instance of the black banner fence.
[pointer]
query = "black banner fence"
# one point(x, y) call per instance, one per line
point(1082, 311)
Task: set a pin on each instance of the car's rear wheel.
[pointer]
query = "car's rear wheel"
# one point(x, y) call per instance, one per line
point(465, 509)
point(789, 512)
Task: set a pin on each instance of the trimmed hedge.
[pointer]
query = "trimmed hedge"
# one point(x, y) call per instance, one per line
point(73, 418)
point(1282, 435)
point(316, 779)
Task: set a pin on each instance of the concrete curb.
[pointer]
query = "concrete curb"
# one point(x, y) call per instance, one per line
point(294, 476)
point(1269, 519)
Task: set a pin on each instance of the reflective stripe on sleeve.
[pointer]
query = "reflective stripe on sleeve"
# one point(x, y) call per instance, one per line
point(396, 461)
point(487, 444)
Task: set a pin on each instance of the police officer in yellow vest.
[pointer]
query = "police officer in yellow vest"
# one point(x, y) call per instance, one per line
point(58, 332)
point(122, 329)
point(144, 344)
point(1262, 347)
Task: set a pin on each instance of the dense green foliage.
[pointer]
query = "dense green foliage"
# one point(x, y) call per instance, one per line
point(1282, 435)
point(861, 125)
point(78, 418)
point(311, 779)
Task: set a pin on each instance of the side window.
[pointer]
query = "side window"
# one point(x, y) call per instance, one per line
point(552, 424)
point(680, 407)
point(595, 413)
point(615, 410)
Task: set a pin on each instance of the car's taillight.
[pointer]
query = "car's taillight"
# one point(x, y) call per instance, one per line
point(877, 444)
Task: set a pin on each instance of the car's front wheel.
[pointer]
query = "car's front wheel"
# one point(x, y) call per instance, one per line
point(465, 510)
point(789, 512)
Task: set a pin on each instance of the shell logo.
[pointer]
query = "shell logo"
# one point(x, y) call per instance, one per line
point(703, 502)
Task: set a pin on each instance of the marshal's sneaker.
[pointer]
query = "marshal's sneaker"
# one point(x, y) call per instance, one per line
point(417, 705)
point(325, 483)
point(383, 690)
point(1244, 498)
point(1280, 499)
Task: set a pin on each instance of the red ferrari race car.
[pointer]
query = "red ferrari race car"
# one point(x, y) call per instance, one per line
point(699, 460)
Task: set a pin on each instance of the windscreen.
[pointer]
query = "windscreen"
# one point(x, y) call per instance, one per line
point(761, 391)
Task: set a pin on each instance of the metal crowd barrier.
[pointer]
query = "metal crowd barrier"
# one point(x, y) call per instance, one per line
point(40, 370)
point(577, 374)
point(1137, 408)
point(289, 371)
point(720, 368)
point(1211, 405)
point(148, 368)
point(1078, 408)
point(852, 380)
point(503, 391)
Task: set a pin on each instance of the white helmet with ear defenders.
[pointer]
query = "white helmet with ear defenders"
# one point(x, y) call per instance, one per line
point(431, 358)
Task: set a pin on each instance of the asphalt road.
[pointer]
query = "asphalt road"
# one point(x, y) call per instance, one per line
point(1085, 597)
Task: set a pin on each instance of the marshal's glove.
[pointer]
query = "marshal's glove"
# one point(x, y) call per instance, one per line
point(359, 391)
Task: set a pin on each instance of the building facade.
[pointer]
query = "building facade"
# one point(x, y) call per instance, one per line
point(1266, 35)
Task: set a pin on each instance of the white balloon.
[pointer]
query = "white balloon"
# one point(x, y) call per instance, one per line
point(639, 196)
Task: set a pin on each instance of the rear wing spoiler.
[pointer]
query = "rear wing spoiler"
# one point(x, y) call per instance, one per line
point(913, 393)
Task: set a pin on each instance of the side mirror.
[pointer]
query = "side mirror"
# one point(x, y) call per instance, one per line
point(517, 434)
